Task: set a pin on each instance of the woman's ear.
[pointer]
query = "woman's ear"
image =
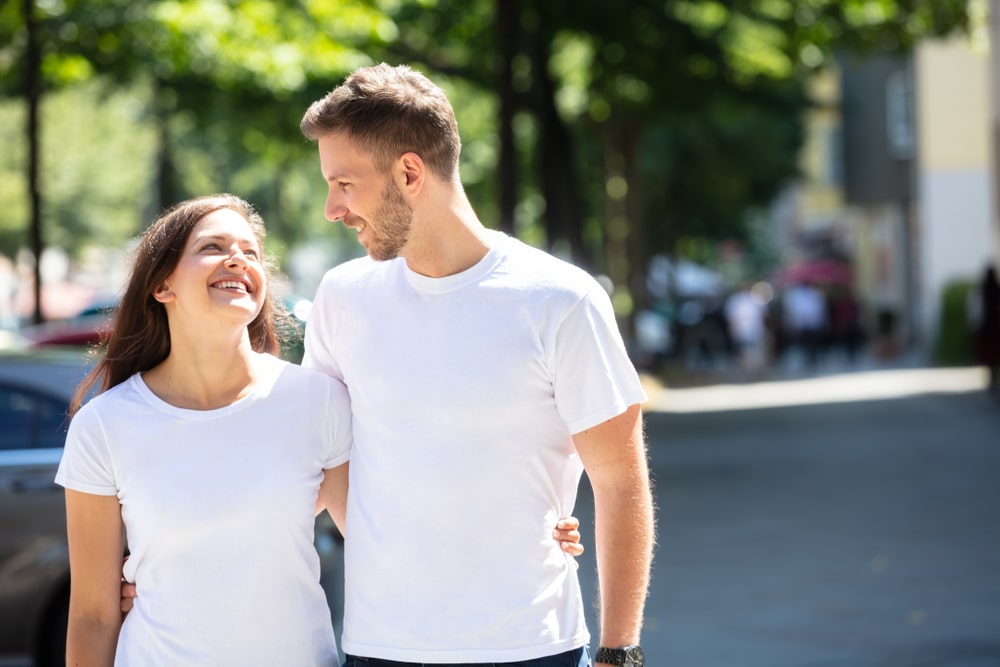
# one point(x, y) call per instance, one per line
point(163, 293)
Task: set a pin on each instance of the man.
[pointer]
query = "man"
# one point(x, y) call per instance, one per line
point(484, 376)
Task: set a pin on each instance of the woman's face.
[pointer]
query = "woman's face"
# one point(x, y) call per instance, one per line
point(219, 273)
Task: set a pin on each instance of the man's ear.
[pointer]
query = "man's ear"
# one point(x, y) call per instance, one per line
point(413, 172)
point(163, 293)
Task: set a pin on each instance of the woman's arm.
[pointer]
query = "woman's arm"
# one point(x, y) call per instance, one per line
point(96, 543)
point(333, 495)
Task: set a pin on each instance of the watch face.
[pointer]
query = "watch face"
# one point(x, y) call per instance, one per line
point(634, 657)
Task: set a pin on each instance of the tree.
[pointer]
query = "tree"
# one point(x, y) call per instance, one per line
point(220, 64)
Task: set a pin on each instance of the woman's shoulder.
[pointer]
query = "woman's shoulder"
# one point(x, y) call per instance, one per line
point(113, 401)
point(112, 398)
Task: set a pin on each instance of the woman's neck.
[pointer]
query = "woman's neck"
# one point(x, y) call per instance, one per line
point(205, 375)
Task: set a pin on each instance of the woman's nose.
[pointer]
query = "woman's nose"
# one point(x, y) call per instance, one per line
point(238, 260)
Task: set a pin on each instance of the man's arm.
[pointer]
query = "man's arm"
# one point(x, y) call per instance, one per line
point(614, 455)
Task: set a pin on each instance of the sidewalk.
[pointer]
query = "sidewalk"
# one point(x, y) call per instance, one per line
point(723, 386)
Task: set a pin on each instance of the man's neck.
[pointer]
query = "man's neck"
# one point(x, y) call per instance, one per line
point(448, 244)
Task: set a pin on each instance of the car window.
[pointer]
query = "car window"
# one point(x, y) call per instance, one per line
point(30, 420)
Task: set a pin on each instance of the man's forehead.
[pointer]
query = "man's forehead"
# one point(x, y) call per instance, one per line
point(338, 153)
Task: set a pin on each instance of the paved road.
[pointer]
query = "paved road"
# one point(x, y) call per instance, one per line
point(863, 532)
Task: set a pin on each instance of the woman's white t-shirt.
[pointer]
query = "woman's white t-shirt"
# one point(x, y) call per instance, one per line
point(219, 511)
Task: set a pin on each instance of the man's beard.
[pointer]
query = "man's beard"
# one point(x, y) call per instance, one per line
point(390, 228)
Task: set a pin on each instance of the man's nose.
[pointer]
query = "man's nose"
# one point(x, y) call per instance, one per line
point(335, 209)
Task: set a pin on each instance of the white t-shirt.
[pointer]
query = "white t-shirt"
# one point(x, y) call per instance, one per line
point(465, 391)
point(219, 509)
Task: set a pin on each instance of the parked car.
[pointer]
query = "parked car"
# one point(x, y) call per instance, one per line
point(35, 389)
point(85, 328)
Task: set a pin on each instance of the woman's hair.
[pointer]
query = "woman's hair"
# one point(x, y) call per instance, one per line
point(140, 337)
point(388, 111)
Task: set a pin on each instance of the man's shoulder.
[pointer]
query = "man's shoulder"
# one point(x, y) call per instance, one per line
point(546, 271)
point(308, 375)
point(355, 272)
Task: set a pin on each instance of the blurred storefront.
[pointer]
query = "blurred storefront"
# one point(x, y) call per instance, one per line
point(900, 180)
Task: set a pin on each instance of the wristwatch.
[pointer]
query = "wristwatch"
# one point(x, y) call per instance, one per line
point(627, 656)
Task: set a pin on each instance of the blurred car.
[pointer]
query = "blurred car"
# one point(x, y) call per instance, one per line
point(84, 329)
point(35, 390)
point(36, 386)
point(90, 326)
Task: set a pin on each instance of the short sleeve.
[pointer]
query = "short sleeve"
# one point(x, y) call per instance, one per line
point(594, 377)
point(86, 463)
point(320, 332)
point(339, 425)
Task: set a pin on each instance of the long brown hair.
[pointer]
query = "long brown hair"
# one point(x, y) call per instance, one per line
point(140, 336)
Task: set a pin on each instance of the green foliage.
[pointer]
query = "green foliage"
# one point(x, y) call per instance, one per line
point(955, 335)
point(703, 97)
point(97, 146)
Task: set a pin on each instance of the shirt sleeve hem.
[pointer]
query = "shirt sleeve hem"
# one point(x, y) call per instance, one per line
point(618, 407)
point(83, 487)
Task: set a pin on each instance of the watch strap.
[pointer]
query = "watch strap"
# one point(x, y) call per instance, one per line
point(627, 656)
point(611, 656)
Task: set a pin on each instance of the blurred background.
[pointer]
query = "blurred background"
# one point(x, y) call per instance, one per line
point(775, 193)
point(680, 149)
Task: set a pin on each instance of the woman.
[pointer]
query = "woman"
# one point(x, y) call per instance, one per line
point(210, 453)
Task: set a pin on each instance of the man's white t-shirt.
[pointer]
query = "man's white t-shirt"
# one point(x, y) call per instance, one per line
point(219, 511)
point(465, 392)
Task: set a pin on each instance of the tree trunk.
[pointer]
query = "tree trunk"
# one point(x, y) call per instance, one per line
point(166, 190)
point(33, 96)
point(635, 210)
point(563, 219)
point(508, 17)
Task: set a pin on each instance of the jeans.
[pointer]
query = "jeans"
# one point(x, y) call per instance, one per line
point(579, 657)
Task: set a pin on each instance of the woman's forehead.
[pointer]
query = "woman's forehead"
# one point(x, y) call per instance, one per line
point(224, 223)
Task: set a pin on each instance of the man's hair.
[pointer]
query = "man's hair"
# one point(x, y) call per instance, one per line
point(387, 111)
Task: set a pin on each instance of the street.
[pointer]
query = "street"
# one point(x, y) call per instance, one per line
point(845, 521)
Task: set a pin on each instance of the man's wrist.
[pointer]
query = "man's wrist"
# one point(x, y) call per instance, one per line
point(624, 656)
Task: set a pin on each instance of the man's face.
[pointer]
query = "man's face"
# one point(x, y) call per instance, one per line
point(363, 198)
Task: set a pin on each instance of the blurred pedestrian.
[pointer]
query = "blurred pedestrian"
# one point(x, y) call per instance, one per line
point(485, 376)
point(846, 332)
point(806, 318)
point(746, 319)
point(988, 330)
